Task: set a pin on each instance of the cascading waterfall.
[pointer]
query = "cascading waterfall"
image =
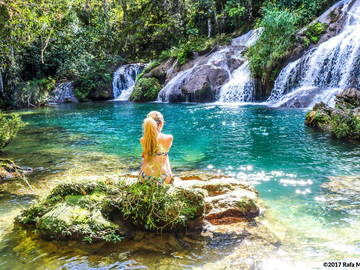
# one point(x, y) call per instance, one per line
point(124, 80)
point(241, 86)
point(330, 67)
point(218, 60)
point(63, 93)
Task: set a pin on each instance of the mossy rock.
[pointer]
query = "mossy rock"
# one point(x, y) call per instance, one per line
point(343, 121)
point(99, 211)
point(146, 89)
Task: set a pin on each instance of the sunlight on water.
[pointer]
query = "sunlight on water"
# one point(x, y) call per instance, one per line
point(269, 148)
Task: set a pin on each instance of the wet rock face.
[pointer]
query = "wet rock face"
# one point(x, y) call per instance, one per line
point(343, 121)
point(348, 99)
point(110, 211)
point(203, 83)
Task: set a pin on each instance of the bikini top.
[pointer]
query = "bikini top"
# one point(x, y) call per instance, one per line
point(161, 154)
point(158, 154)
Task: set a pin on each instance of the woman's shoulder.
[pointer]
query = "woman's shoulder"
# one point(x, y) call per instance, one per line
point(167, 136)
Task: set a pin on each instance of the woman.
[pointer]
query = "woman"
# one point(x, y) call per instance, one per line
point(156, 146)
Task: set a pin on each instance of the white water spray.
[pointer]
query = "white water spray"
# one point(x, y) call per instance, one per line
point(124, 80)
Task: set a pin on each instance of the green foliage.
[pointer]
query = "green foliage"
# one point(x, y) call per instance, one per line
point(184, 52)
point(10, 124)
point(149, 67)
point(313, 32)
point(34, 93)
point(156, 207)
point(146, 89)
point(83, 40)
point(274, 45)
point(340, 126)
point(235, 11)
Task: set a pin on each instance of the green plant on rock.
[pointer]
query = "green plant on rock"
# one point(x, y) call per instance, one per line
point(341, 126)
point(314, 31)
point(86, 210)
point(146, 89)
point(274, 44)
point(157, 207)
point(10, 124)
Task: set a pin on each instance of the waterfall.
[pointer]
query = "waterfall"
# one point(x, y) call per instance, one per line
point(333, 65)
point(63, 93)
point(124, 80)
point(239, 86)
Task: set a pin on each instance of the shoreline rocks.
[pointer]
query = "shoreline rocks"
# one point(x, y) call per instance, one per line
point(343, 121)
point(9, 170)
point(112, 210)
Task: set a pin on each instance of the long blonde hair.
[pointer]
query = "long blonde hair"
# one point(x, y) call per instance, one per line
point(151, 127)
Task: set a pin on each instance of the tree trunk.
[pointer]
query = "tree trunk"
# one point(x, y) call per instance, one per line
point(1, 84)
point(209, 27)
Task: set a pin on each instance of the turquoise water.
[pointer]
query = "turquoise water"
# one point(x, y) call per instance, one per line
point(270, 148)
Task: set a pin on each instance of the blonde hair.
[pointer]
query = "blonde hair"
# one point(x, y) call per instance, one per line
point(151, 127)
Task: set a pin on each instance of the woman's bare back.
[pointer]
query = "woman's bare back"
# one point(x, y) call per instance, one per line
point(158, 165)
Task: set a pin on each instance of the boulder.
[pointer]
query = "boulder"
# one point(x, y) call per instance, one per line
point(343, 121)
point(348, 99)
point(203, 83)
point(226, 199)
point(162, 72)
point(111, 210)
point(102, 93)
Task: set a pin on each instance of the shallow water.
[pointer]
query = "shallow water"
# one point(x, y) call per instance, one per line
point(270, 148)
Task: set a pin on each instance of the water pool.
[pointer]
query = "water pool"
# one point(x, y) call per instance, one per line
point(270, 148)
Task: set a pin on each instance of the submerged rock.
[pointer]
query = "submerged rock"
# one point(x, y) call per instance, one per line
point(111, 210)
point(342, 193)
point(345, 185)
point(343, 121)
point(9, 170)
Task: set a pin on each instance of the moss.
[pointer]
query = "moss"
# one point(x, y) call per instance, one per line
point(149, 67)
point(85, 210)
point(146, 89)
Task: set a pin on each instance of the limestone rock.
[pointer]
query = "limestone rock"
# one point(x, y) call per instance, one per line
point(110, 210)
point(203, 83)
